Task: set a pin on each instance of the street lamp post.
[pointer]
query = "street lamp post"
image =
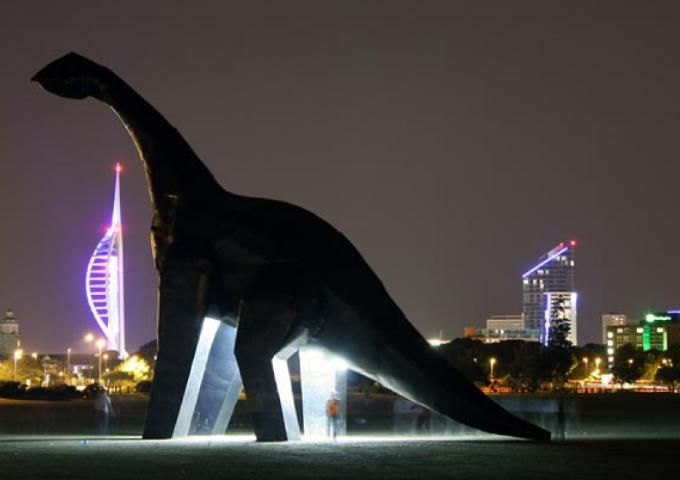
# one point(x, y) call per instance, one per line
point(585, 363)
point(106, 362)
point(597, 363)
point(68, 366)
point(89, 338)
point(17, 356)
point(101, 343)
point(492, 362)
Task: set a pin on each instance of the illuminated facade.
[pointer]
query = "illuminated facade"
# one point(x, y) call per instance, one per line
point(548, 292)
point(657, 331)
point(104, 280)
point(613, 320)
point(9, 334)
point(500, 328)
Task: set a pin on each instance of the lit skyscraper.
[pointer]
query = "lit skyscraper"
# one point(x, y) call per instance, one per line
point(104, 279)
point(9, 334)
point(549, 292)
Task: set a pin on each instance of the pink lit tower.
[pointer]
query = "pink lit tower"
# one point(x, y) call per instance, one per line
point(104, 279)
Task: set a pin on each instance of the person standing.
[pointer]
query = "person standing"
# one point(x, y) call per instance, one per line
point(332, 411)
point(104, 409)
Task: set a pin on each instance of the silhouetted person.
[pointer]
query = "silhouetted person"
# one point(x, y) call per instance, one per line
point(561, 420)
point(332, 411)
point(104, 409)
point(423, 420)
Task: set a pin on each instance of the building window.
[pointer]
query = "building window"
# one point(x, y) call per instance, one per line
point(610, 334)
point(659, 330)
point(610, 343)
point(610, 351)
point(639, 330)
point(619, 330)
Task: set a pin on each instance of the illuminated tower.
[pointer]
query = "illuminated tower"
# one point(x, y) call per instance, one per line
point(104, 279)
point(549, 292)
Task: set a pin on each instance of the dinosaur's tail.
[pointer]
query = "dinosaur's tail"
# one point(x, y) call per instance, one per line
point(402, 360)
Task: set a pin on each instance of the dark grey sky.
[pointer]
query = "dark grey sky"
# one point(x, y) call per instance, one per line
point(452, 142)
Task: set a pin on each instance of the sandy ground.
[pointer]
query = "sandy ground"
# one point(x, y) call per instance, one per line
point(240, 458)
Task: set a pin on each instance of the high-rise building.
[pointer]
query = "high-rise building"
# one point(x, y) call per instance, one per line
point(549, 292)
point(9, 334)
point(612, 320)
point(104, 279)
point(657, 331)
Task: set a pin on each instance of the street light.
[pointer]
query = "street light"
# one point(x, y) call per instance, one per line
point(68, 366)
point(89, 338)
point(492, 362)
point(46, 381)
point(17, 356)
point(598, 360)
point(585, 363)
point(101, 343)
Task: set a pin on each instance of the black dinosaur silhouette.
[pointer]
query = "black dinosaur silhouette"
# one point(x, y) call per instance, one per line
point(288, 276)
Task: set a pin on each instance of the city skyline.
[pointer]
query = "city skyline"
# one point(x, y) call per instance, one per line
point(450, 141)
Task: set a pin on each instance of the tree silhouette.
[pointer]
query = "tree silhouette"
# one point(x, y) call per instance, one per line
point(560, 327)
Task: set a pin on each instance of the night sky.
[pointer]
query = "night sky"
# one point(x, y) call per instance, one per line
point(452, 142)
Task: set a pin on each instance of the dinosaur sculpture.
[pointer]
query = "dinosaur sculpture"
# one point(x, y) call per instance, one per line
point(288, 276)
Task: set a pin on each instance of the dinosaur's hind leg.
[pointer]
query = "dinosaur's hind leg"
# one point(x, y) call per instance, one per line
point(263, 342)
point(181, 310)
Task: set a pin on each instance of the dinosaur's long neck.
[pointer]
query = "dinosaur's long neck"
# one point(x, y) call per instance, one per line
point(172, 168)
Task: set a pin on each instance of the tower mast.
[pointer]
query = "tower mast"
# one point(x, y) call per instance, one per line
point(104, 279)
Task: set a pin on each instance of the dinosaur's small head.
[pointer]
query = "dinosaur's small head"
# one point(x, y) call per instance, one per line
point(71, 76)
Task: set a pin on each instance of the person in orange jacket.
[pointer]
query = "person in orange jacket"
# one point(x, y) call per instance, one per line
point(332, 411)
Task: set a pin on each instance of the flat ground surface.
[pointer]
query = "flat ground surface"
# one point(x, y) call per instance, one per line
point(238, 458)
point(607, 436)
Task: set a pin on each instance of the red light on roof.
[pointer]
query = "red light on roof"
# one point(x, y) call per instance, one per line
point(119, 167)
point(572, 243)
point(561, 244)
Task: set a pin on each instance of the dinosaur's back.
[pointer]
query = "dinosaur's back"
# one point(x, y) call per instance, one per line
point(301, 237)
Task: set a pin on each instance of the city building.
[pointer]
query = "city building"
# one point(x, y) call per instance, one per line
point(104, 280)
point(500, 328)
point(549, 292)
point(657, 331)
point(9, 334)
point(613, 320)
point(508, 327)
point(505, 322)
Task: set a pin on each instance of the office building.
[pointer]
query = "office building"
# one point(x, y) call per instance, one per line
point(613, 320)
point(549, 292)
point(9, 334)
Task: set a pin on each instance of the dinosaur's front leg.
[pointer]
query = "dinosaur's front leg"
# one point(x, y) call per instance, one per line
point(181, 309)
point(265, 326)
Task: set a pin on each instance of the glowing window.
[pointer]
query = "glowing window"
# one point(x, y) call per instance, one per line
point(610, 334)
point(659, 330)
point(639, 330)
point(619, 330)
point(610, 351)
point(610, 343)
